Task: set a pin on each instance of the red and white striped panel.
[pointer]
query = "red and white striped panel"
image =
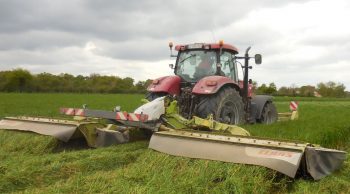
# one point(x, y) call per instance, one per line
point(131, 116)
point(293, 106)
point(79, 112)
point(72, 111)
point(122, 116)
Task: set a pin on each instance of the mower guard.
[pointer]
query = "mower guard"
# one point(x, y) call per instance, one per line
point(60, 129)
point(95, 134)
point(282, 156)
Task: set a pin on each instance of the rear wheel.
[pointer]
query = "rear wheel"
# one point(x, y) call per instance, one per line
point(226, 106)
point(269, 114)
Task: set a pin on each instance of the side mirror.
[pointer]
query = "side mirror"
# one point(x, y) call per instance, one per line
point(171, 66)
point(258, 59)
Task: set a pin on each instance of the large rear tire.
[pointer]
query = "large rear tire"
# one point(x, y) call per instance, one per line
point(269, 114)
point(226, 106)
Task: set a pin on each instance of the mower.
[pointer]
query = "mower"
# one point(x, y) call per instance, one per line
point(196, 114)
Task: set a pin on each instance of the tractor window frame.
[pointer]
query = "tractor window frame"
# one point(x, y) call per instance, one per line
point(231, 65)
point(189, 77)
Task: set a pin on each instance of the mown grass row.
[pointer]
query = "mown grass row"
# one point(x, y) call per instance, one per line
point(32, 164)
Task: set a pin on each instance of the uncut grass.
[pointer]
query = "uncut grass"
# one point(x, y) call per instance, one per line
point(29, 164)
point(320, 122)
point(15, 104)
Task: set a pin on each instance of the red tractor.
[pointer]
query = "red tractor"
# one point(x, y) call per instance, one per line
point(206, 82)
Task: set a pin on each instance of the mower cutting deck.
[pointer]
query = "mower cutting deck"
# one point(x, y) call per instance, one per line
point(194, 138)
point(285, 157)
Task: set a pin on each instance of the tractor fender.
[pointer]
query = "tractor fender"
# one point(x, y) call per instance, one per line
point(168, 84)
point(259, 101)
point(212, 84)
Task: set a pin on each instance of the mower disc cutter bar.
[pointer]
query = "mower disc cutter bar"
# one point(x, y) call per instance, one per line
point(286, 157)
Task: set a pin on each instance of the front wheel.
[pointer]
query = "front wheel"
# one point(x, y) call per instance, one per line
point(269, 114)
point(226, 106)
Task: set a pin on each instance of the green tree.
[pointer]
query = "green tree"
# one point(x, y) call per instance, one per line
point(262, 89)
point(307, 90)
point(284, 91)
point(46, 82)
point(18, 80)
point(141, 86)
point(331, 89)
point(3, 79)
point(272, 89)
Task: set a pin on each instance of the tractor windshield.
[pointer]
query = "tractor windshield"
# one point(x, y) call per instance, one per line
point(195, 64)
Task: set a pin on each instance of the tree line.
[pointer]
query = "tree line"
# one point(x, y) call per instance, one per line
point(328, 89)
point(20, 80)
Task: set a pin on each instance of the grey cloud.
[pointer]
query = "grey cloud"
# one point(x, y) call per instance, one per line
point(45, 58)
point(48, 34)
point(149, 49)
point(38, 40)
point(121, 20)
point(326, 40)
point(35, 25)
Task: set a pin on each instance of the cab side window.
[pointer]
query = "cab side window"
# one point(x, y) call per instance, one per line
point(227, 66)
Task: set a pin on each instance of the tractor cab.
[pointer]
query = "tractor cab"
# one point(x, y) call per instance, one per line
point(206, 84)
point(199, 60)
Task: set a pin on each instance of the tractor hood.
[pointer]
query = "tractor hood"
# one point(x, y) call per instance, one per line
point(167, 84)
point(211, 84)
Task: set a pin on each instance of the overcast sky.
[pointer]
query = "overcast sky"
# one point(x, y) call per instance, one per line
point(302, 42)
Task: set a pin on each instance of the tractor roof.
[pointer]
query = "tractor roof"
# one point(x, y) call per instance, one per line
point(205, 46)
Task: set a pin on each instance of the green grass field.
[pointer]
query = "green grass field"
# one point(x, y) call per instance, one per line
point(32, 163)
